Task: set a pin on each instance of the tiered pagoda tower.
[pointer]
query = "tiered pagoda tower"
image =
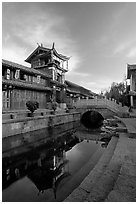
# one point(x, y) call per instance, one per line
point(51, 62)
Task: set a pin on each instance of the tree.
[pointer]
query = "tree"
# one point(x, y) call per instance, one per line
point(118, 92)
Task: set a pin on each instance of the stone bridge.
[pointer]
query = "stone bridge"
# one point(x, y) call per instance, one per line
point(105, 107)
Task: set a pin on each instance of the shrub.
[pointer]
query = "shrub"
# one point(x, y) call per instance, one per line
point(32, 105)
point(54, 106)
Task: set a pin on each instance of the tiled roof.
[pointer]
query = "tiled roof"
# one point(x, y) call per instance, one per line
point(24, 68)
point(60, 55)
point(25, 85)
point(71, 84)
point(79, 89)
point(78, 92)
point(33, 53)
point(73, 91)
point(46, 50)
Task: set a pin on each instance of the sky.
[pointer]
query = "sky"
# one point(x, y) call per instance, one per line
point(99, 37)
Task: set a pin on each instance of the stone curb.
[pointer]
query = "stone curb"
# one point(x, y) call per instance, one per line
point(84, 189)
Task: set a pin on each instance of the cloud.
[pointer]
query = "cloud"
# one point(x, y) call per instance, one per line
point(6, 39)
point(121, 47)
point(131, 53)
point(128, 49)
point(27, 29)
point(36, 29)
point(89, 81)
point(100, 84)
point(14, 55)
point(77, 73)
point(118, 35)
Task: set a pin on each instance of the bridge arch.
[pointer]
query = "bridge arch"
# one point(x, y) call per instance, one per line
point(105, 112)
point(92, 119)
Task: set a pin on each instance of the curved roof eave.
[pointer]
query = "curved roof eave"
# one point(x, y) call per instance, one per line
point(38, 48)
point(65, 58)
point(46, 49)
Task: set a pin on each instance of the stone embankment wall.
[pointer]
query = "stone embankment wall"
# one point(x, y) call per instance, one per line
point(13, 127)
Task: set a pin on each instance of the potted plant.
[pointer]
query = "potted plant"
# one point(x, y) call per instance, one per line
point(32, 106)
point(54, 106)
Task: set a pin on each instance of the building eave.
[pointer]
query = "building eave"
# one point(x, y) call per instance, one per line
point(25, 85)
point(72, 91)
point(58, 83)
point(69, 83)
point(62, 57)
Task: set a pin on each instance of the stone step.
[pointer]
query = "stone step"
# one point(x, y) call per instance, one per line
point(106, 182)
point(129, 123)
point(81, 193)
point(124, 189)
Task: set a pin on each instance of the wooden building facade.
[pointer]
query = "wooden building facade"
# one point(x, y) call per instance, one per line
point(21, 84)
point(43, 82)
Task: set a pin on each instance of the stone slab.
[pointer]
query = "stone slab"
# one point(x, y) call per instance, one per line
point(78, 195)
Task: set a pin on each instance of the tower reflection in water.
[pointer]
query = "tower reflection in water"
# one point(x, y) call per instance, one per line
point(46, 166)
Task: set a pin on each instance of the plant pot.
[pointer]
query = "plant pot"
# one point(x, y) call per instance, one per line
point(30, 114)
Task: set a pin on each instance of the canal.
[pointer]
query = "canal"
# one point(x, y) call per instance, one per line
point(48, 170)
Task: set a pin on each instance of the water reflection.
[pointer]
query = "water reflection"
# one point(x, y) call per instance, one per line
point(52, 167)
point(45, 177)
point(45, 166)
